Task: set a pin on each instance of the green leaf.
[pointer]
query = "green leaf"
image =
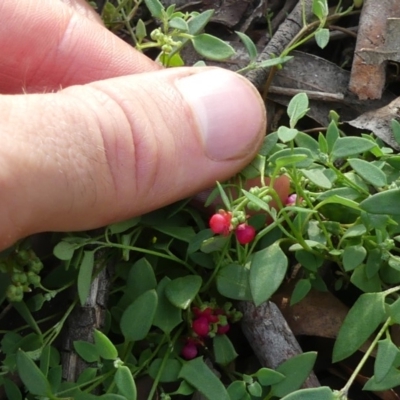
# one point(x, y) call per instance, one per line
point(141, 33)
point(108, 396)
point(303, 286)
point(213, 244)
point(300, 156)
point(170, 370)
point(249, 45)
point(273, 61)
point(267, 271)
point(323, 144)
point(11, 389)
point(396, 130)
point(296, 371)
point(178, 23)
point(317, 177)
point(321, 393)
point(233, 282)
point(155, 7)
point(363, 318)
point(138, 317)
point(64, 250)
point(369, 172)
point(309, 261)
point(307, 141)
point(255, 389)
point(141, 278)
point(167, 316)
point(87, 351)
point(125, 383)
point(224, 352)
point(197, 373)
point(322, 37)
point(350, 146)
point(197, 23)
point(297, 108)
point(123, 226)
point(237, 390)
point(286, 134)
point(332, 135)
point(181, 291)
point(335, 199)
point(196, 241)
point(394, 311)
point(391, 380)
point(268, 377)
point(269, 143)
point(223, 196)
point(212, 47)
point(360, 279)
point(104, 346)
point(353, 256)
point(342, 192)
point(31, 376)
point(374, 262)
point(386, 202)
point(256, 200)
point(320, 9)
point(184, 389)
point(385, 357)
point(355, 231)
point(184, 233)
point(85, 276)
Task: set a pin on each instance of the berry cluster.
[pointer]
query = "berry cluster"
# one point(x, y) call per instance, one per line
point(208, 321)
point(23, 267)
point(223, 223)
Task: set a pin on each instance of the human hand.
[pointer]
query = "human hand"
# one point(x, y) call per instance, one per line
point(121, 138)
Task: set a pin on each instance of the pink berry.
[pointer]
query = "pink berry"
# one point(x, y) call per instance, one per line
point(201, 327)
point(222, 329)
point(220, 223)
point(291, 200)
point(245, 233)
point(189, 351)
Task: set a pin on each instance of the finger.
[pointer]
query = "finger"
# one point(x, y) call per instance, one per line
point(49, 46)
point(91, 155)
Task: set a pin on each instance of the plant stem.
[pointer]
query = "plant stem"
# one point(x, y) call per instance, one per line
point(355, 373)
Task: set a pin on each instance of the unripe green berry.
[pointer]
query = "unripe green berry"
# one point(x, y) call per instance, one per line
point(23, 256)
point(19, 278)
point(35, 265)
point(14, 293)
point(33, 278)
point(166, 48)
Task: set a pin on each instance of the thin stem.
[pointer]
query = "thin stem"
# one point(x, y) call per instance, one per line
point(355, 373)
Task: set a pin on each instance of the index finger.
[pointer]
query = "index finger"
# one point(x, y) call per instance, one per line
point(47, 45)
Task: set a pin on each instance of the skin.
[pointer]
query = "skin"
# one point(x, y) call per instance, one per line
point(94, 132)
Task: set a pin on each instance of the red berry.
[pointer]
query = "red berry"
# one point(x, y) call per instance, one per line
point(220, 223)
point(200, 326)
point(245, 233)
point(189, 351)
point(222, 329)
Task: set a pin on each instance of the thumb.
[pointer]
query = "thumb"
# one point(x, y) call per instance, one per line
point(91, 155)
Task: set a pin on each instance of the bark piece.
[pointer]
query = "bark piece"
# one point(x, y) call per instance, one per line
point(318, 314)
point(81, 324)
point(285, 33)
point(270, 336)
point(313, 73)
point(378, 122)
point(368, 71)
